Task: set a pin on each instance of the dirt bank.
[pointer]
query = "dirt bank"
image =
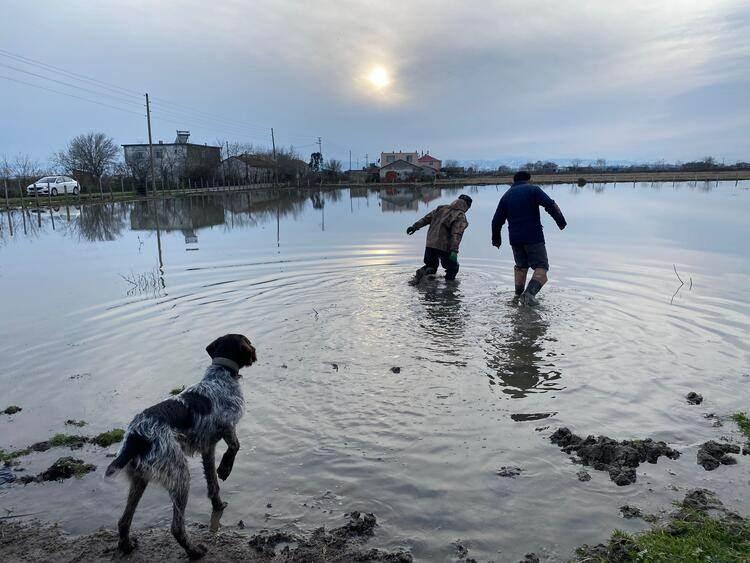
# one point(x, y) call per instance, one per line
point(36, 541)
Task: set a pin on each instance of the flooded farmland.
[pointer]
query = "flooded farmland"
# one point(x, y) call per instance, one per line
point(106, 308)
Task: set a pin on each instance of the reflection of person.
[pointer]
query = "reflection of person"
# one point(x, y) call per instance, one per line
point(516, 355)
point(447, 225)
point(444, 321)
point(520, 207)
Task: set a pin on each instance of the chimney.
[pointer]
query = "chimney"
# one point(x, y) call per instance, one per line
point(182, 137)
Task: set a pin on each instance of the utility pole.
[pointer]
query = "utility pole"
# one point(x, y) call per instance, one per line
point(226, 163)
point(275, 166)
point(350, 160)
point(367, 160)
point(320, 147)
point(150, 146)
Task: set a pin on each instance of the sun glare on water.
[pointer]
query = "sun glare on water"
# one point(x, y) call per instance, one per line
point(379, 77)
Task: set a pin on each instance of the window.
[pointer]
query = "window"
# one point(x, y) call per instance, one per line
point(158, 153)
point(390, 158)
point(408, 158)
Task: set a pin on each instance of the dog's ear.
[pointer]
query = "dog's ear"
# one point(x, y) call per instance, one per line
point(213, 348)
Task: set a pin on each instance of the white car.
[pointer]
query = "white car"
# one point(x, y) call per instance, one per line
point(54, 185)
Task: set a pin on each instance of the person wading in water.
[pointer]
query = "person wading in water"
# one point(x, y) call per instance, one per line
point(447, 225)
point(520, 207)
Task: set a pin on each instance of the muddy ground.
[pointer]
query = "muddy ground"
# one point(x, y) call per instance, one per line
point(36, 541)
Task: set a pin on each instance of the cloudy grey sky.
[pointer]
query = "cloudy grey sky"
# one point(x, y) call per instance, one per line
point(632, 79)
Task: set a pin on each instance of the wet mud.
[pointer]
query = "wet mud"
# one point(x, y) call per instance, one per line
point(33, 541)
point(63, 468)
point(619, 459)
point(712, 454)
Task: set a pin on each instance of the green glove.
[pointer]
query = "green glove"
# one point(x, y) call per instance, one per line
point(453, 256)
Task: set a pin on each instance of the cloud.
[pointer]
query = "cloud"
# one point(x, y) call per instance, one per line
point(470, 79)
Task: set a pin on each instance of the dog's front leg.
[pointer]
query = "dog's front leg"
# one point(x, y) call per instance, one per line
point(209, 470)
point(227, 460)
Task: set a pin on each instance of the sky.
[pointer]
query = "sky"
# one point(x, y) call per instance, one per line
point(637, 80)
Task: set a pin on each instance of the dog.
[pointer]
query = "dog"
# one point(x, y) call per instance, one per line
point(158, 440)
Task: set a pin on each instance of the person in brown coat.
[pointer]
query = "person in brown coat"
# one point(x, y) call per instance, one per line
point(447, 225)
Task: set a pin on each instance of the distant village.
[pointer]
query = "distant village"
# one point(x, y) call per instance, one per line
point(183, 159)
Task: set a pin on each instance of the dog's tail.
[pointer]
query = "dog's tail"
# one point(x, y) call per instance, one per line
point(135, 445)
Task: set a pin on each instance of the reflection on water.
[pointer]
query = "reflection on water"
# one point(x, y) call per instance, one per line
point(112, 305)
point(518, 355)
point(444, 318)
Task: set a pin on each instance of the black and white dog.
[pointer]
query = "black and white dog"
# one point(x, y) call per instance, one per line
point(158, 439)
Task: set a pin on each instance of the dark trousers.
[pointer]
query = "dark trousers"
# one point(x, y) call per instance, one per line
point(434, 257)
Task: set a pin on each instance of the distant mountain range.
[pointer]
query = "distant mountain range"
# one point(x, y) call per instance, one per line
point(516, 161)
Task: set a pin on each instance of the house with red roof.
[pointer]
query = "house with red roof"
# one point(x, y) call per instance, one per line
point(429, 161)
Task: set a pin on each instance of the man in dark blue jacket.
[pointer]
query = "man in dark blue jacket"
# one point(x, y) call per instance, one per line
point(520, 207)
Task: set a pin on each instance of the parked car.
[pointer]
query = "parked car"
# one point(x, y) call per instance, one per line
point(54, 185)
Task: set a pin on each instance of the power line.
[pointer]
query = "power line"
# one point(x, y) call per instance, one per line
point(119, 99)
point(69, 95)
point(34, 62)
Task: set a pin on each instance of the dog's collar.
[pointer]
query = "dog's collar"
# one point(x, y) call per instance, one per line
point(231, 365)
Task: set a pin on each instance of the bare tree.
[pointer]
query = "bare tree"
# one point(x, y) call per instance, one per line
point(333, 166)
point(90, 153)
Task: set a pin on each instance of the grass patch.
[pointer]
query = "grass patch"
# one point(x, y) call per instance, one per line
point(694, 537)
point(106, 439)
point(701, 538)
point(13, 409)
point(66, 440)
point(5, 457)
point(177, 390)
point(743, 421)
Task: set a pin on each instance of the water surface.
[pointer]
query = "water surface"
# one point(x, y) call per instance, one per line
point(318, 282)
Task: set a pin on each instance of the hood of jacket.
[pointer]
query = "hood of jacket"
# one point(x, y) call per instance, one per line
point(461, 205)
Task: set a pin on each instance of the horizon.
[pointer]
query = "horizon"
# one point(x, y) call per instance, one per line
point(501, 82)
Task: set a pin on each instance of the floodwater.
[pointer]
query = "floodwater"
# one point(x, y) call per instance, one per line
point(319, 284)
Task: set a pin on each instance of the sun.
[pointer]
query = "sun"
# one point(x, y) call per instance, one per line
point(379, 77)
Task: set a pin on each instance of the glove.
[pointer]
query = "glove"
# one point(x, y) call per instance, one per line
point(453, 257)
point(411, 231)
point(497, 242)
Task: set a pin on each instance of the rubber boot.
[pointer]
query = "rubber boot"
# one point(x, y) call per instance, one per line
point(529, 296)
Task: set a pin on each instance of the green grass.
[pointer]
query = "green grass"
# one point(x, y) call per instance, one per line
point(106, 439)
point(177, 390)
point(66, 440)
point(743, 421)
point(696, 538)
point(10, 456)
point(13, 409)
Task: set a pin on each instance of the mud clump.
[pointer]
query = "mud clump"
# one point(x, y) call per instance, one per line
point(339, 544)
point(619, 459)
point(13, 409)
point(509, 471)
point(583, 476)
point(76, 423)
point(395, 369)
point(629, 512)
point(63, 468)
point(713, 454)
point(694, 398)
point(530, 558)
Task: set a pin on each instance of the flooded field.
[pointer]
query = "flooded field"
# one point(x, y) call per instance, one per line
point(106, 308)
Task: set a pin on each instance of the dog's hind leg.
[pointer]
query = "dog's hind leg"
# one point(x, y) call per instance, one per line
point(212, 481)
point(137, 487)
point(179, 489)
